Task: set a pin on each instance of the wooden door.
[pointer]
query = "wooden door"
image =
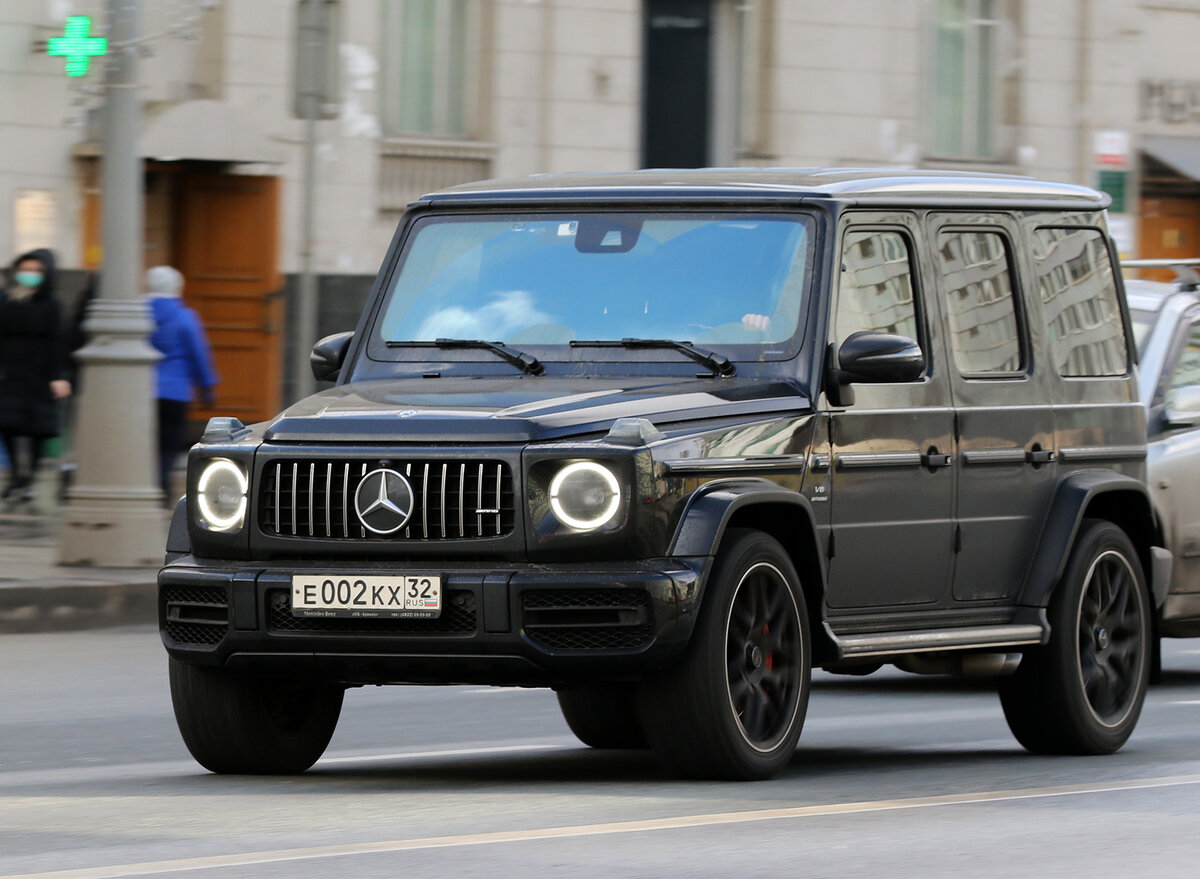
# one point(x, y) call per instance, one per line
point(228, 253)
point(1170, 230)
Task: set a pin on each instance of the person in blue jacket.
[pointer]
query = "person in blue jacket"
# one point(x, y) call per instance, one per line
point(186, 366)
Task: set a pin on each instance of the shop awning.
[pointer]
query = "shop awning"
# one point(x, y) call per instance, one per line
point(210, 131)
point(1180, 153)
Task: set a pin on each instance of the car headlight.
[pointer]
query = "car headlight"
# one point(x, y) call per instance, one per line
point(221, 495)
point(585, 495)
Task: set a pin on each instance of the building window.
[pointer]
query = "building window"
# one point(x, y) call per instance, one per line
point(430, 52)
point(969, 52)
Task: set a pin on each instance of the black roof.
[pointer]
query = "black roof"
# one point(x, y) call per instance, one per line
point(892, 186)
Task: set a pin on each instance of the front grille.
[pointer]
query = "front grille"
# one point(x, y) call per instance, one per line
point(589, 619)
point(458, 618)
point(195, 615)
point(452, 500)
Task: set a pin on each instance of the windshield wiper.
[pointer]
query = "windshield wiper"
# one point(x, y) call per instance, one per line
point(718, 363)
point(526, 363)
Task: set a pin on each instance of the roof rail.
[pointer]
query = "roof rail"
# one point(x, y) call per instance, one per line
point(1158, 263)
point(1187, 276)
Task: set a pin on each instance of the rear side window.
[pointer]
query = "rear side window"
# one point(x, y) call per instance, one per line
point(1186, 373)
point(1079, 295)
point(978, 284)
point(875, 292)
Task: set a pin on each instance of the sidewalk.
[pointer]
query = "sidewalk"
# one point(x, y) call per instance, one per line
point(39, 595)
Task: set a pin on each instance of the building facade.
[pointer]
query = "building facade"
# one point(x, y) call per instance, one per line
point(435, 92)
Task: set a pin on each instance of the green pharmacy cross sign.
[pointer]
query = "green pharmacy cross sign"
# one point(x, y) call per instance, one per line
point(76, 46)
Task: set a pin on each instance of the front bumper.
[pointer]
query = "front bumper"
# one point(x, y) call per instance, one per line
point(539, 625)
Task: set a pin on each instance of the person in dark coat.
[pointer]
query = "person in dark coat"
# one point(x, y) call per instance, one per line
point(186, 366)
point(33, 367)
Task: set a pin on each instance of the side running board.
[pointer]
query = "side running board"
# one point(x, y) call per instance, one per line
point(930, 640)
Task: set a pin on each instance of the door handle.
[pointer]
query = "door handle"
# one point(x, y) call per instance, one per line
point(1039, 456)
point(933, 460)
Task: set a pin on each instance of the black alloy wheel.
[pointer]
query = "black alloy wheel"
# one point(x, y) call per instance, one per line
point(1111, 637)
point(763, 653)
point(1082, 693)
point(734, 706)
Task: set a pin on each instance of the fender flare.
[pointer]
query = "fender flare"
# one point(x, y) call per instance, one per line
point(707, 516)
point(1073, 498)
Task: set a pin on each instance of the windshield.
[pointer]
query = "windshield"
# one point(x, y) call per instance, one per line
point(1143, 323)
point(717, 280)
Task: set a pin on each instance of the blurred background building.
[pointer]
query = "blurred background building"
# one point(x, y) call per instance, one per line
point(431, 93)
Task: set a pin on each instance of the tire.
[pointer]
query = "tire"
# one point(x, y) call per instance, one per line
point(1082, 692)
point(249, 725)
point(734, 706)
point(603, 717)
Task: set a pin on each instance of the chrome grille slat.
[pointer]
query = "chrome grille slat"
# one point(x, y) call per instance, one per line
point(328, 500)
point(346, 501)
point(443, 500)
point(462, 498)
point(312, 500)
point(295, 476)
point(425, 503)
point(479, 503)
point(290, 500)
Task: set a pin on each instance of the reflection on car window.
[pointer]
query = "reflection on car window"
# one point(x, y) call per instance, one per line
point(547, 280)
point(1187, 370)
point(979, 302)
point(1082, 310)
point(875, 292)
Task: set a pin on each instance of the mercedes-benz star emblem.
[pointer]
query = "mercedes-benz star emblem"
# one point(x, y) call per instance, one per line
point(383, 501)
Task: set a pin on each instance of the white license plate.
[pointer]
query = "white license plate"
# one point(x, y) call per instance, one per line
point(366, 596)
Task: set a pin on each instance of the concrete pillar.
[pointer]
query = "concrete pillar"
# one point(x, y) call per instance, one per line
point(114, 509)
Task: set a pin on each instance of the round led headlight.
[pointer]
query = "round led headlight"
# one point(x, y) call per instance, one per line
point(221, 495)
point(585, 495)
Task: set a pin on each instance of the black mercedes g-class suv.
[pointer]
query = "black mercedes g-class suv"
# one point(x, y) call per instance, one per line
point(665, 441)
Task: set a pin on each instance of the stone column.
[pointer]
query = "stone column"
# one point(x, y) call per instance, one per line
point(114, 512)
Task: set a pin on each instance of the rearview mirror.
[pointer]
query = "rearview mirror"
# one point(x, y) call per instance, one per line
point(328, 355)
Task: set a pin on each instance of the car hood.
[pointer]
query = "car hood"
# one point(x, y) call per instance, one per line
point(519, 410)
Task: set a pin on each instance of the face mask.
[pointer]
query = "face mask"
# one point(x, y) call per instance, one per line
point(29, 279)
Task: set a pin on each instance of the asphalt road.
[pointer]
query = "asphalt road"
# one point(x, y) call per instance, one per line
point(896, 776)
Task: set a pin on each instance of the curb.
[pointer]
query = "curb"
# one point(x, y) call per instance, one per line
point(45, 607)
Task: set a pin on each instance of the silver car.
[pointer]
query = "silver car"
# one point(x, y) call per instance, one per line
point(1166, 322)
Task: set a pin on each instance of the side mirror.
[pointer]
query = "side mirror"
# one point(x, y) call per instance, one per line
point(872, 358)
point(879, 358)
point(1184, 410)
point(328, 355)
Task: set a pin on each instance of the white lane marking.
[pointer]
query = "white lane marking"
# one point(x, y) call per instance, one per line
point(1186, 702)
point(453, 752)
point(185, 768)
point(246, 859)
